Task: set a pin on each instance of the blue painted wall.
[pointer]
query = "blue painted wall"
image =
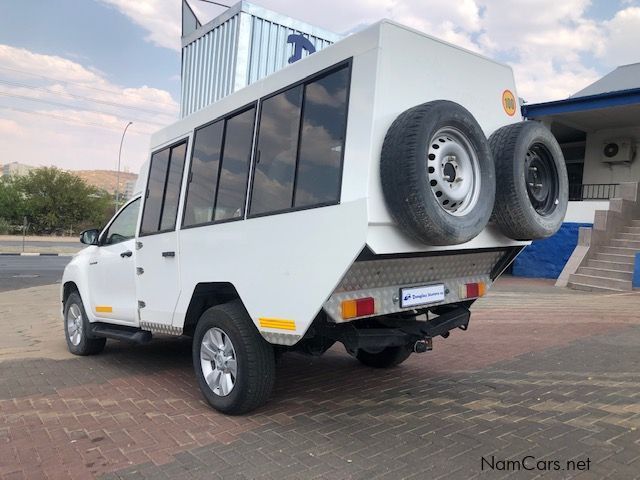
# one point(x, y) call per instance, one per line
point(546, 258)
point(636, 272)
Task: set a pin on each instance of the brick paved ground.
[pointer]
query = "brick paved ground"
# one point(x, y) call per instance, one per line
point(549, 373)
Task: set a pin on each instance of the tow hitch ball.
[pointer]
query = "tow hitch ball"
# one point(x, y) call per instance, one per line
point(422, 346)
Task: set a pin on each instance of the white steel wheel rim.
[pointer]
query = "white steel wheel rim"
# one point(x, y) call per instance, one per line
point(74, 324)
point(453, 171)
point(218, 361)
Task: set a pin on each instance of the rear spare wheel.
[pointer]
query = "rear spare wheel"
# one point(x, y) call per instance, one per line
point(437, 173)
point(532, 193)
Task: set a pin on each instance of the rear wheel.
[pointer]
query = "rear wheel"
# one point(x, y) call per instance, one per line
point(234, 365)
point(76, 328)
point(389, 357)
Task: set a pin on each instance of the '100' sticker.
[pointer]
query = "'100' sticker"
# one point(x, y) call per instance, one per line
point(509, 102)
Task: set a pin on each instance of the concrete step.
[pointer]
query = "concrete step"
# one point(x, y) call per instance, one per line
point(619, 250)
point(631, 229)
point(601, 282)
point(605, 265)
point(611, 257)
point(630, 236)
point(624, 242)
point(603, 272)
point(592, 288)
point(635, 223)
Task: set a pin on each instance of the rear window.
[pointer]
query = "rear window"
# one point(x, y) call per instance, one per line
point(321, 140)
point(301, 135)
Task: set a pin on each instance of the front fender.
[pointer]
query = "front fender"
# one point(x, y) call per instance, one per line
point(76, 272)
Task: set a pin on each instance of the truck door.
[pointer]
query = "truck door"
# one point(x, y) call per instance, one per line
point(111, 271)
point(157, 259)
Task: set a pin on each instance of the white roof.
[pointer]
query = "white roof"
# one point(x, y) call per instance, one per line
point(624, 77)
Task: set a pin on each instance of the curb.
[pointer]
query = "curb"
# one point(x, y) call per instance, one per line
point(29, 254)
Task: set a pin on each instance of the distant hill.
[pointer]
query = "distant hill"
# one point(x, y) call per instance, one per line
point(105, 179)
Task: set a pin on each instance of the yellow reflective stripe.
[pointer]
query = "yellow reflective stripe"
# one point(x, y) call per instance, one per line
point(277, 323)
point(103, 309)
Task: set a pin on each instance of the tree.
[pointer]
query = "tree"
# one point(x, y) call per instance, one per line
point(57, 201)
point(12, 202)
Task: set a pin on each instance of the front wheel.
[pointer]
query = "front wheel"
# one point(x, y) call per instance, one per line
point(234, 365)
point(389, 357)
point(76, 328)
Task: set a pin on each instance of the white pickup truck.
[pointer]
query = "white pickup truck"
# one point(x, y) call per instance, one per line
point(351, 197)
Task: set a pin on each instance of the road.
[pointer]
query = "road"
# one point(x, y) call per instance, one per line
point(18, 243)
point(22, 272)
point(542, 375)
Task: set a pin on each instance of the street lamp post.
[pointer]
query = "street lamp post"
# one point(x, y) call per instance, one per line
point(118, 173)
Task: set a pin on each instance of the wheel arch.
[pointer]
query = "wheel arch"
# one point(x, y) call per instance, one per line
point(204, 296)
point(68, 288)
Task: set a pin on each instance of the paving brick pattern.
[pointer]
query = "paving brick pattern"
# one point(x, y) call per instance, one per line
point(541, 372)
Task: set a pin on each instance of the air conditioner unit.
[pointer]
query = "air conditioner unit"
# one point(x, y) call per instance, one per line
point(618, 150)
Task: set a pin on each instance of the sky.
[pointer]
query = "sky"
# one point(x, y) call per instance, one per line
point(73, 73)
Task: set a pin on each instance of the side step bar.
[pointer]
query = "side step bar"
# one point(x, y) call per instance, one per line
point(120, 332)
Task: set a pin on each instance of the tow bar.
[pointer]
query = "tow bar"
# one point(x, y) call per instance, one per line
point(422, 346)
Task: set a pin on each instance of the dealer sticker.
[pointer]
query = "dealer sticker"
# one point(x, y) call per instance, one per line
point(414, 296)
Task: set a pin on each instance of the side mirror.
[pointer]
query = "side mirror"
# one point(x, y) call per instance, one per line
point(90, 237)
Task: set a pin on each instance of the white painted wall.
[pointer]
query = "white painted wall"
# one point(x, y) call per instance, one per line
point(583, 212)
point(595, 171)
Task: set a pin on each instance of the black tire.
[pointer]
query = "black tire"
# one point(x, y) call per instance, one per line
point(255, 359)
point(405, 171)
point(529, 208)
point(389, 357)
point(85, 345)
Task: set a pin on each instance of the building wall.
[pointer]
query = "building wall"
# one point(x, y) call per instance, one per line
point(583, 212)
point(595, 171)
point(129, 188)
point(546, 258)
point(16, 169)
point(244, 44)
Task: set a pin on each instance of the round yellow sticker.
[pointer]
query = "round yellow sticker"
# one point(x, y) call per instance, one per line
point(509, 103)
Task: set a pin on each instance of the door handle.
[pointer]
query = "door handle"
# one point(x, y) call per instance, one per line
point(126, 254)
point(168, 254)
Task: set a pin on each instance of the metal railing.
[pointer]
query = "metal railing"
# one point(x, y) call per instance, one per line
point(592, 191)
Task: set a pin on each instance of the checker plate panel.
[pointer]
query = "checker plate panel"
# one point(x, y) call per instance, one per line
point(382, 279)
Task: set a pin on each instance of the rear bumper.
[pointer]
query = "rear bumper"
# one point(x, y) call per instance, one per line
point(382, 277)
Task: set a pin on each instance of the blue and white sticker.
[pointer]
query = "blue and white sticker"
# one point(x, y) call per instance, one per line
point(414, 296)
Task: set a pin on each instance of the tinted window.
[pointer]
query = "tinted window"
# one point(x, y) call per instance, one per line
point(155, 190)
point(322, 140)
point(123, 226)
point(163, 190)
point(172, 191)
point(276, 152)
point(232, 184)
point(204, 174)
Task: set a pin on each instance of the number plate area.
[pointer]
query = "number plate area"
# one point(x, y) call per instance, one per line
point(424, 295)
